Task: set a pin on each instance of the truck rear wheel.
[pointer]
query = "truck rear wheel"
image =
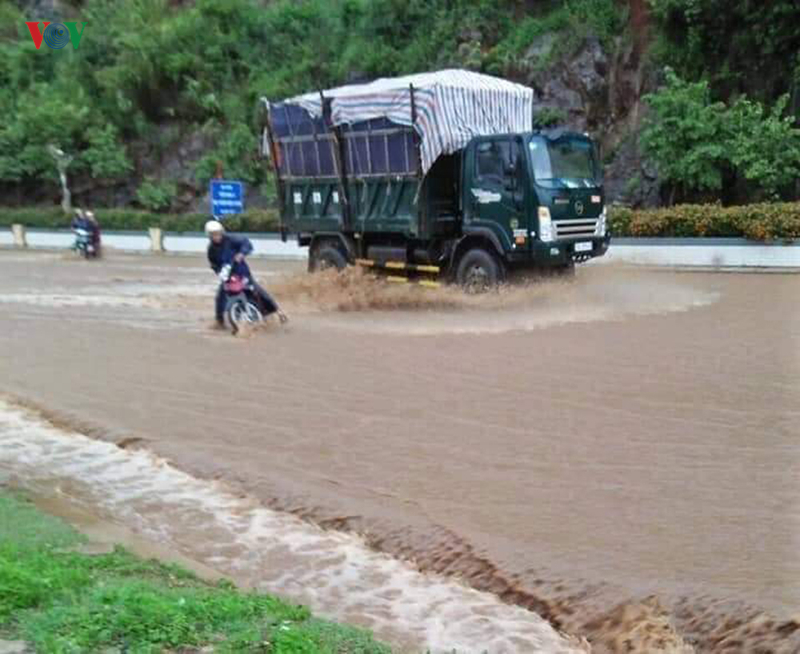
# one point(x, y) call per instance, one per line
point(478, 271)
point(325, 257)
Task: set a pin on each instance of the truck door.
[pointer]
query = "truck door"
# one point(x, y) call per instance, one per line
point(497, 191)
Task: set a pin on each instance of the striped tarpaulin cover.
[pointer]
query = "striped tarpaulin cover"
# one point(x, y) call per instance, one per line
point(453, 106)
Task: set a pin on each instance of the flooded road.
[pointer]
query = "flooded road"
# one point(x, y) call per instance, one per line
point(334, 573)
point(574, 448)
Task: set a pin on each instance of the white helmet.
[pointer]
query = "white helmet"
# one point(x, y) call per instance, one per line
point(214, 227)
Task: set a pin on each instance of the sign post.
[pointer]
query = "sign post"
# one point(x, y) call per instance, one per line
point(227, 197)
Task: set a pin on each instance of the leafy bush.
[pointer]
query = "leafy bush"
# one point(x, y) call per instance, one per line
point(255, 220)
point(43, 217)
point(236, 153)
point(156, 195)
point(758, 222)
point(765, 146)
point(264, 220)
point(549, 117)
point(696, 143)
point(686, 135)
point(105, 156)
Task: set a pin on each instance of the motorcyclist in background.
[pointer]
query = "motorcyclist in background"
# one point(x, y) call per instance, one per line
point(79, 220)
point(95, 229)
point(231, 249)
point(85, 220)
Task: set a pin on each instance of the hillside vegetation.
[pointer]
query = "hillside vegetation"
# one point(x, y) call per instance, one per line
point(159, 94)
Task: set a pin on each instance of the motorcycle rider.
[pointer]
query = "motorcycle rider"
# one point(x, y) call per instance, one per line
point(231, 249)
point(86, 221)
point(95, 229)
point(79, 220)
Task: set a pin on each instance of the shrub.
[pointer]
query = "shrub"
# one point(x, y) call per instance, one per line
point(255, 220)
point(765, 145)
point(696, 143)
point(549, 117)
point(155, 195)
point(44, 217)
point(758, 222)
point(685, 134)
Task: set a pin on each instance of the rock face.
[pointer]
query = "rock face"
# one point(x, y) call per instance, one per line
point(44, 10)
point(599, 92)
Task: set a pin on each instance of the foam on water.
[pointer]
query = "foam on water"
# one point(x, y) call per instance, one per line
point(333, 572)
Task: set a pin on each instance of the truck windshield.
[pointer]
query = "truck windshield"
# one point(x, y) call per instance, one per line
point(566, 162)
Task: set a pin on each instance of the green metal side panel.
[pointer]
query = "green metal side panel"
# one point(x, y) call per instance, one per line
point(312, 205)
point(378, 204)
point(385, 205)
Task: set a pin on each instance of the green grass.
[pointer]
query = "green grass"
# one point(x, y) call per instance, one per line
point(62, 601)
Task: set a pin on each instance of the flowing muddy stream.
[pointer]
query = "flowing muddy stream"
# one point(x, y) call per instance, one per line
point(334, 573)
point(618, 454)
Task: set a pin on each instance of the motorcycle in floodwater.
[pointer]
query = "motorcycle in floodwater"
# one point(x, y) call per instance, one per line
point(241, 303)
point(85, 243)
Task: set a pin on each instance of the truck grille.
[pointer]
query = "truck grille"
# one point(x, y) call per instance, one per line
point(575, 228)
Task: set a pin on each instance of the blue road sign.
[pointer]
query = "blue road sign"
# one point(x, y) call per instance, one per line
point(227, 197)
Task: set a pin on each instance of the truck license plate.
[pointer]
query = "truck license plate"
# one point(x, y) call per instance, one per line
point(583, 247)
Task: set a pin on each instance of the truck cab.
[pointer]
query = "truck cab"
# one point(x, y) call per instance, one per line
point(537, 198)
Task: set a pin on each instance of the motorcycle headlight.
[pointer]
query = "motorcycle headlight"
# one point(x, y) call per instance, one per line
point(600, 230)
point(545, 225)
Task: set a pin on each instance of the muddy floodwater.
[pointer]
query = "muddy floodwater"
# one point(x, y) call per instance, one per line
point(618, 454)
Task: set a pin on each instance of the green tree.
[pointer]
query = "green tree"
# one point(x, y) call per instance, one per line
point(105, 156)
point(686, 135)
point(236, 151)
point(44, 114)
point(740, 46)
point(765, 145)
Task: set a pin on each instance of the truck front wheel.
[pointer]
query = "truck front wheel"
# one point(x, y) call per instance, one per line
point(325, 257)
point(478, 271)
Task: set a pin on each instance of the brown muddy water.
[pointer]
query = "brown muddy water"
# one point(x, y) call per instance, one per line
point(619, 454)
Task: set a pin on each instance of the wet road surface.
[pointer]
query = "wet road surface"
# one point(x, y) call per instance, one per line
point(567, 446)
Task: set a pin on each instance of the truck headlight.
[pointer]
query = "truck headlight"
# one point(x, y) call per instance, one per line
point(600, 230)
point(545, 225)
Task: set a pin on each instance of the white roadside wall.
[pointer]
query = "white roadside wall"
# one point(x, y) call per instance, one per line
point(691, 252)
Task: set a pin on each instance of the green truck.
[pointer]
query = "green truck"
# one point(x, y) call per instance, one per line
point(434, 173)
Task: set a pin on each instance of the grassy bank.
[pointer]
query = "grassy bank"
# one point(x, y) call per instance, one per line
point(60, 600)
